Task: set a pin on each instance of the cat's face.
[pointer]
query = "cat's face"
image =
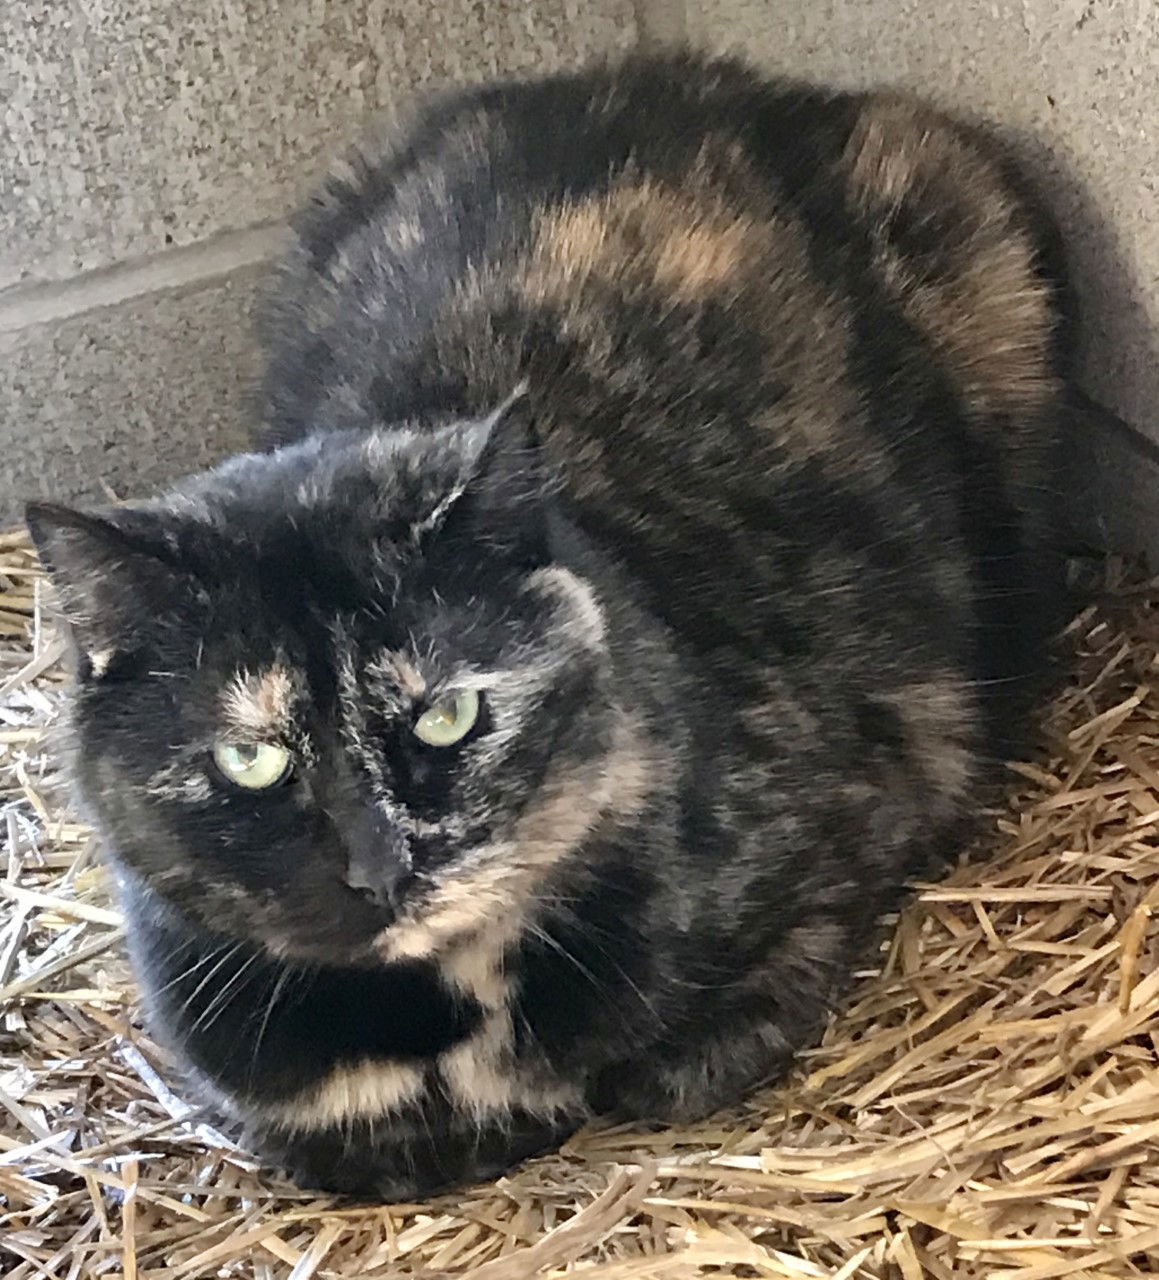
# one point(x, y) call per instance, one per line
point(339, 699)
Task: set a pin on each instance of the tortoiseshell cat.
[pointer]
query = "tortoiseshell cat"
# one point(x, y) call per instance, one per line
point(649, 566)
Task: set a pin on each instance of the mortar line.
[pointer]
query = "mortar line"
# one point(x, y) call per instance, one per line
point(26, 306)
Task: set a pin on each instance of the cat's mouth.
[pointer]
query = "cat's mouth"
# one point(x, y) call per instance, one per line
point(343, 929)
point(330, 952)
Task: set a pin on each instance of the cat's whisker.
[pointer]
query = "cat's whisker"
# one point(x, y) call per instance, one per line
point(601, 988)
point(277, 986)
point(590, 932)
point(188, 1003)
point(186, 973)
point(221, 1000)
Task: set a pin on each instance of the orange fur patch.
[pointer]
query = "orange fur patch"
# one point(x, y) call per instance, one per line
point(257, 707)
point(689, 245)
point(986, 310)
point(487, 903)
point(365, 1091)
point(399, 668)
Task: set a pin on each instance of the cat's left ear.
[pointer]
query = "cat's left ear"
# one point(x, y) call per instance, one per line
point(506, 497)
point(110, 582)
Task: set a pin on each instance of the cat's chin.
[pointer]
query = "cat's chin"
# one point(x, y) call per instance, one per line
point(340, 934)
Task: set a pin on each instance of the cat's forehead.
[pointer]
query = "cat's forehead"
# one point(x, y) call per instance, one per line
point(263, 674)
point(264, 700)
point(395, 474)
point(331, 484)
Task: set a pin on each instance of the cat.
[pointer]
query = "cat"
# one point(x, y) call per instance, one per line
point(647, 555)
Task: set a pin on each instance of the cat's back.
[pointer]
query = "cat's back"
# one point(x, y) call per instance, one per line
point(784, 344)
point(666, 210)
point(524, 216)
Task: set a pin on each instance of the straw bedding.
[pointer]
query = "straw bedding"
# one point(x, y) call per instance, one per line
point(987, 1104)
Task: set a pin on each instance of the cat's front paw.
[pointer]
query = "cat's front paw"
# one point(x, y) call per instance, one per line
point(685, 1087)
point(396, 1158)
point(349, 1175)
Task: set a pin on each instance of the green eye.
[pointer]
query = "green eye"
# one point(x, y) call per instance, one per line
point(254, 765)
point(449, 720)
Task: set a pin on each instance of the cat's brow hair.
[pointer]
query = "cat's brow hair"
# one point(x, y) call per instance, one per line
point(398, 667)
point(259, 704)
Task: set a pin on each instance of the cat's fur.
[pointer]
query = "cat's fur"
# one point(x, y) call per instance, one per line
point(704, 425)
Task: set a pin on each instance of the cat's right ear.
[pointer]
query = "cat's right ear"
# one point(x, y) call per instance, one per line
point(503, 503)
point(108, 582)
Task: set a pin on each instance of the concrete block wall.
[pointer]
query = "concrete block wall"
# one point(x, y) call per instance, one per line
point(149, 150)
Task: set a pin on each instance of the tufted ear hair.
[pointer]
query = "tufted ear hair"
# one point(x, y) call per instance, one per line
point(505, 499)
point(110, 581)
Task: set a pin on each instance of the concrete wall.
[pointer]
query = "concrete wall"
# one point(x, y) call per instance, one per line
point(148, 151)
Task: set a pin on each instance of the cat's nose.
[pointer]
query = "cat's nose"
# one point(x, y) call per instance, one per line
point(377, 856)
